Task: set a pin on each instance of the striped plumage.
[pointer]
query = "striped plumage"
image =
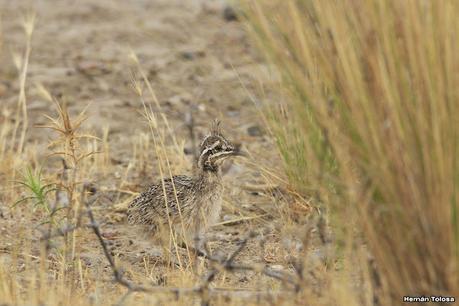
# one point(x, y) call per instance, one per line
point(199, 197)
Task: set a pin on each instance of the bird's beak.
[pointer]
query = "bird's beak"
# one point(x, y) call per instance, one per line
point(237, 151)
point(241, 153)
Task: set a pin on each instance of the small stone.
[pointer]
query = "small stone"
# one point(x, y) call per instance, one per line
point(152, 73)
point(228, 217)
point(233, 113)
point(187, 151)
point(91, 188)
point(201, 107)
point(255, 131)
point(187, 55)
point(243, 279)
point(192, 55)
point(126, 103)
point(277, 267)
point(229, 14)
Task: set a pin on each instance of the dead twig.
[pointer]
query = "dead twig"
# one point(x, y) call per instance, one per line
point(227, 264)
point(60, 232)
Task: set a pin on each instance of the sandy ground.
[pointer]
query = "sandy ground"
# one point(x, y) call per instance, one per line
point(191, 55)
point(196, 62)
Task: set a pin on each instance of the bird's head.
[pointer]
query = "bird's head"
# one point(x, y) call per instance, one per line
point(215, 149)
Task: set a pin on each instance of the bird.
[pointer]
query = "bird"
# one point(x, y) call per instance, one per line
point(188, 204)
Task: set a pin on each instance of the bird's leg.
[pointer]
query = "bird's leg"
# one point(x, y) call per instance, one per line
point(197, 251)
point(200, 245)
point(199, 248)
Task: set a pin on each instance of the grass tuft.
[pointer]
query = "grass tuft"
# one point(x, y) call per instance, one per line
point(368, 126)
point(37, 189)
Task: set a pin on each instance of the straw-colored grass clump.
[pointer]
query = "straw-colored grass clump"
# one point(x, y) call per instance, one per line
point(368, 127)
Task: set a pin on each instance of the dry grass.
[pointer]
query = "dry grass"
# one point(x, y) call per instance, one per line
point(368, 129)
point(367, 135)
point(61, 221)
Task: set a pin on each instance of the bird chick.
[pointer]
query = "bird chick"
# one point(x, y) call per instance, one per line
point(189, 204)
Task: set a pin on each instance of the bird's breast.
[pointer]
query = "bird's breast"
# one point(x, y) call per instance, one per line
point(211, 205)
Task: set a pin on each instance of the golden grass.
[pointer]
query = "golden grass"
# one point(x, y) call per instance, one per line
point(368, 127)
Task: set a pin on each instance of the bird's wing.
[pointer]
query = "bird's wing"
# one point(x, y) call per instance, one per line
point(149, 205)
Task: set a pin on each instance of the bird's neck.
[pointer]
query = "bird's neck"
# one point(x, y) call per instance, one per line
point(211, 174)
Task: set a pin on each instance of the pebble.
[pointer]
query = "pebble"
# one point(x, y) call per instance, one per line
point(228, 217)
point(243, 279)
point(192, 55)
point(255, 131)
point(188, 151)
point(277, 267)
point(229, 13)
point(201, 107)
point(187, 55)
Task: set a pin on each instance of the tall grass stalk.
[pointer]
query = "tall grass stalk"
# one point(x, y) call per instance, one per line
point(368, 125)
point(22, 65)
point(159, 142)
